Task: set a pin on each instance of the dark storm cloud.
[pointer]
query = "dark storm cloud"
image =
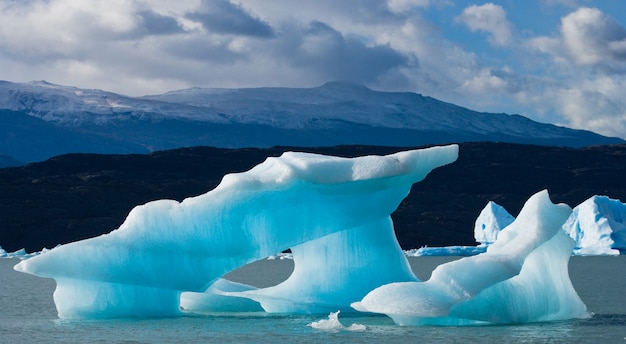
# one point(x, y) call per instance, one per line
point(340, 57)
point(152, 23)
point(223, 17)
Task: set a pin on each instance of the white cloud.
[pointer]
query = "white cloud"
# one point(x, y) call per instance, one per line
point(488, 18)
point(484, 82)
point(591, 37)
point(141, 47)
point(597, 105)
point(398, 6)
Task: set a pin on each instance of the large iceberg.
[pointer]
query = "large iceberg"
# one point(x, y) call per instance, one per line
point(333, 212)
point(599, 226)
point(523, 277)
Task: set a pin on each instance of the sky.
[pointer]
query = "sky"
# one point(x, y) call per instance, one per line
point(554, 61)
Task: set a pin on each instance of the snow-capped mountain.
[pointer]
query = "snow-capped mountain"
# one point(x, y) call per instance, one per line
point(334, 113)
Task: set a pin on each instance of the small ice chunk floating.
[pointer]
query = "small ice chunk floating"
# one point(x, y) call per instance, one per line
point(334, 213)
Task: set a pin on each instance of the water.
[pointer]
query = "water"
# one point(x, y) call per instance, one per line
point(27, 314)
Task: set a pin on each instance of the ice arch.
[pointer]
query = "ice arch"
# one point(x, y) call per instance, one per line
point(329, 274)
point(165, 247)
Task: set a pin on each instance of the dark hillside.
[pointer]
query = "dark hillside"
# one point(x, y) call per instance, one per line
point(77, 196)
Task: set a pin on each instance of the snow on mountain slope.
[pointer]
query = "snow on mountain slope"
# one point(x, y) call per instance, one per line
point(309, 107)
point(71, 106)
point(287, 108)
point(335, 113)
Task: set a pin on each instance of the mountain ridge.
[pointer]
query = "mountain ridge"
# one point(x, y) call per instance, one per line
point(335, 113)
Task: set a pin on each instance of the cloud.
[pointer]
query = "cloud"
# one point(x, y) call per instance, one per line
point(595, 104)
point(588, 64)
point(152, 23)
point(488, 18)
point(398, 6)
point(224, 17)
point(591, 37)
point(327, 51)
point(136, 47)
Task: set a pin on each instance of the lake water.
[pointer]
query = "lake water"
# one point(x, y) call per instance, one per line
point(28, 315)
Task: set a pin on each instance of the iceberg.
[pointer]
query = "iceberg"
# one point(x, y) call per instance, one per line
point(599, 226)
point(334, 213)
point(461, 251)
point(21, 254)
point(333, 324)
point(491, 220)
point(522, 277)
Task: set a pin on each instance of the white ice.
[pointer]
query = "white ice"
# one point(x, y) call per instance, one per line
point(491, 220)
point(333, 324)
point(523, 277)
point(446, 251)
point(599, 226)
point(21, 254)
point(165, 247)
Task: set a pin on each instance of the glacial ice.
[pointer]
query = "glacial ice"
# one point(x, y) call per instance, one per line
point(599, 226)
point(523, 277)
point(491, 220)
point(333, 324)
point(329, 274)
point(334, 214)
point(164, 247)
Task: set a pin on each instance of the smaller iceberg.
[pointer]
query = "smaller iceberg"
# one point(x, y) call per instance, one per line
point(21, 254)
point(462, 251)
point(523, 277)
point(491, 220)
point(333, 324)
point(599, 226)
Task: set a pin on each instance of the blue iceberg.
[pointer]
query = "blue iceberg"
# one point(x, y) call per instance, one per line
point(522, 277)
point(599, 226)
point(334, 213)
point(170, 257)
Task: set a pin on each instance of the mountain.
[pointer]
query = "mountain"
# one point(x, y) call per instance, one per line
point(77, 196)
point(69, 119)
point(7, 161)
